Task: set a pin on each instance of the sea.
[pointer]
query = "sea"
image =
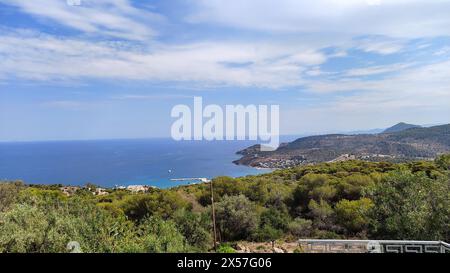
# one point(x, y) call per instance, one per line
point(112, 163)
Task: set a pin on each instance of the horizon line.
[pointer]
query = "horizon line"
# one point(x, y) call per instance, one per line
point(356, 132)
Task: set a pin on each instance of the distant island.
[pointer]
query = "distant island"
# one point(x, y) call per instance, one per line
point(399, 143)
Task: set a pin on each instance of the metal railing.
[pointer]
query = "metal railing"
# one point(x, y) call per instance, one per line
point(373, 246)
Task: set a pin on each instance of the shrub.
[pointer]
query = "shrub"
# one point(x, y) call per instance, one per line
point(321, 213)
point(48, 227)
point(160, 236)
point(351, 187)
point(266, 233)
point(195, 228)
point(9, 192)
point(236, 217)
point(276, 218)
point(225, 248)
point(443, 161)
point(353, 215)
point(411, 206)
point(300, 228)
point(26, 229)
point(162, 204)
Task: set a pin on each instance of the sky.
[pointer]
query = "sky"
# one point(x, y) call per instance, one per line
point(102, 69)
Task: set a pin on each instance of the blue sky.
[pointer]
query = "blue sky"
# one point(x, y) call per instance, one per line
point(115, 68)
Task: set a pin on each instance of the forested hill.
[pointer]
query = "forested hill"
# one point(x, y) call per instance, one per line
point(409, 144)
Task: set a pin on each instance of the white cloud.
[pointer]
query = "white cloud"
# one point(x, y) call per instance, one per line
point(443, 51)
point(395, 18)
point(419, 95)
point(150, 97)
point(416, 94)
point(381, 46)
point(375, 70)
point(35, 56)
point(408, 80)
point(113, 18)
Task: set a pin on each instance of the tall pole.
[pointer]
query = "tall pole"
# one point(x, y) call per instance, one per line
point(213, 216)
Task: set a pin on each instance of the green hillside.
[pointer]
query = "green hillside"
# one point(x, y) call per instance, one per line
point(350, 199)
point(410, 144)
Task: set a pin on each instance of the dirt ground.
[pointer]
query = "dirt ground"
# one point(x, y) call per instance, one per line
point(292, 247)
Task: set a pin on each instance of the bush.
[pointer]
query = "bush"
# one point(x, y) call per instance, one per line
point(321, 213)
point(326, 235)
point(225, 248)
point(276, 218)
point(443, 162)
point(324, 192)
point(161, 236)
point(266, 233)
point(300, 228)
point(313, 186)
point(48, 226)
point(236, 217)
point(9, 192)
point(351, 187)
point(26, 229)
point(195, 227)
point(411, 206)
point(354, 215)
point(162, 204)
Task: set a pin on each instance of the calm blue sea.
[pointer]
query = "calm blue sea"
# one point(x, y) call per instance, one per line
point(120, 162)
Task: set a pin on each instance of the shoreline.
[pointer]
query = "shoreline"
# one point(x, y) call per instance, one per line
point(170, 182)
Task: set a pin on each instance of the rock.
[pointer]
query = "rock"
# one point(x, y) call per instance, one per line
point(242, 248)
point(277, 250)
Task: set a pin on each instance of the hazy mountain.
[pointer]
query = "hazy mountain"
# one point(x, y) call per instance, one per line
point(400, 127)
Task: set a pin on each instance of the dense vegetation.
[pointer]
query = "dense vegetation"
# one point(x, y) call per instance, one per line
point(352, 199)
